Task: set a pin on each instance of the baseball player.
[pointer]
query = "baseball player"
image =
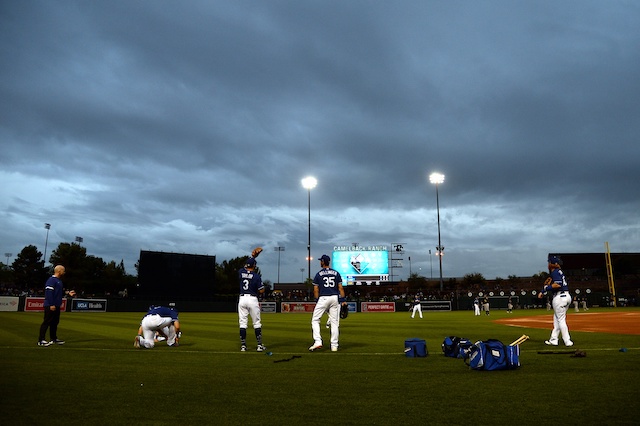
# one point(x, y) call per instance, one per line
point(557, 286)
point(159, 319)
point(417, 307)
point(250, 287)
point(583, 303)
point(329, 294)
point(509, 306)
point(476, 306)
point(485, 305)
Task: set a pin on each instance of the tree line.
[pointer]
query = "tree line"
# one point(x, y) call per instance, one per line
point(90, 275)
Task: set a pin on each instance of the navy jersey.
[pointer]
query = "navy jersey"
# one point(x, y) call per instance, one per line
point(327, 281)
point(163, 312)
point(53, 292)
point(558, 278)
point(250, 282)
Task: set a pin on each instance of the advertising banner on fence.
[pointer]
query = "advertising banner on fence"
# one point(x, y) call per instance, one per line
point(9, 303)
point(378, 307)
point(297, 307)
point(269, 307)
point(36, 304)
point(436, 305)
point(89, 305)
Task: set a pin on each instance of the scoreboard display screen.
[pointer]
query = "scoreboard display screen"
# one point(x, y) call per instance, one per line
point(361, 265)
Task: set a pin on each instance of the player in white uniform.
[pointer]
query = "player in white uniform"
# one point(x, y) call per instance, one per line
point(329, 294)
point(417, 307)
point(558, 287)
point(476, 306)
point(158, 319)
point(250, 287)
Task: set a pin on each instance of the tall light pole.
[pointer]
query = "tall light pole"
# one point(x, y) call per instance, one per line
point(438, 178)
point(309, 183)
point(8, 255)
point(431, 262)
point(279, 249)
point(47, 226)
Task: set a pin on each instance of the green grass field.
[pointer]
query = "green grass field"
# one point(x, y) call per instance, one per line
point(97, 377)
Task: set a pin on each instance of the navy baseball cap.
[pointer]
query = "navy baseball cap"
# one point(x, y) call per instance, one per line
point(554, 259)
point(250, 262)
point(326, 259)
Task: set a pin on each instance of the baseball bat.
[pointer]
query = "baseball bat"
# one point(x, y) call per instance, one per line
point(519, 340)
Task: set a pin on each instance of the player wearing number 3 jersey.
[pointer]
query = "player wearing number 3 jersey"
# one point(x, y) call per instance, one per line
point(329, 294)
point(250, 287)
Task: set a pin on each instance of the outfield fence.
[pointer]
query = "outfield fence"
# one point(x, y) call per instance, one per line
point(460, 303)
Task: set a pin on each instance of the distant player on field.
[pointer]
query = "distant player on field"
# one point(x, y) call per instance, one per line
point(485, 305)
point(417, 307)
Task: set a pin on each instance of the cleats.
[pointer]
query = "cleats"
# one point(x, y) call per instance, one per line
point(549, 343)
point(58, 342)
point(243, 348)
point(315, 346)
point(136, 342)
point(334, 349)
point(261, 348)
point(44, 343)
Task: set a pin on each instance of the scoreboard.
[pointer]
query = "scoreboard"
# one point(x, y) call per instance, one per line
point(361, 265)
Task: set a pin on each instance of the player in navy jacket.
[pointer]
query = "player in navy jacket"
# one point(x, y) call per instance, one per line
point(53, 294)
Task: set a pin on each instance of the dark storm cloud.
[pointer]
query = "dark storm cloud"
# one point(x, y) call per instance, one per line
point(188, 126)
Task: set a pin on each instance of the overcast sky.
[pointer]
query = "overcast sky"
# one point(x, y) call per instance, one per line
point(187, 126)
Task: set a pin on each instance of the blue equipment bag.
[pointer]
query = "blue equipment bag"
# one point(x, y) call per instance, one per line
point(415, 348)
point(456, 347)
point(493, 355)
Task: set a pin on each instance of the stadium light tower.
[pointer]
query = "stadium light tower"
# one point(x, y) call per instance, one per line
point(437, 179)
point(279, 249)
point(309, 183)
point(47, 226)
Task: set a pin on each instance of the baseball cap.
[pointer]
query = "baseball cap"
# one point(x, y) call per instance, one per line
point(554, 259)
point(326, 259)
point(250, 262)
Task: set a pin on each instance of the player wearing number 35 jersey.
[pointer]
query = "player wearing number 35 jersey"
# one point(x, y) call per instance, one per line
point(329, 293)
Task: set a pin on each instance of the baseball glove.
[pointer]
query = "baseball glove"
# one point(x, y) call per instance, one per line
point(548, 281)
point(344, 311)
point(256, 252)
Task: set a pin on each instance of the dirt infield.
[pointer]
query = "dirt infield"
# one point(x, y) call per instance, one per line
point(600, 322)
